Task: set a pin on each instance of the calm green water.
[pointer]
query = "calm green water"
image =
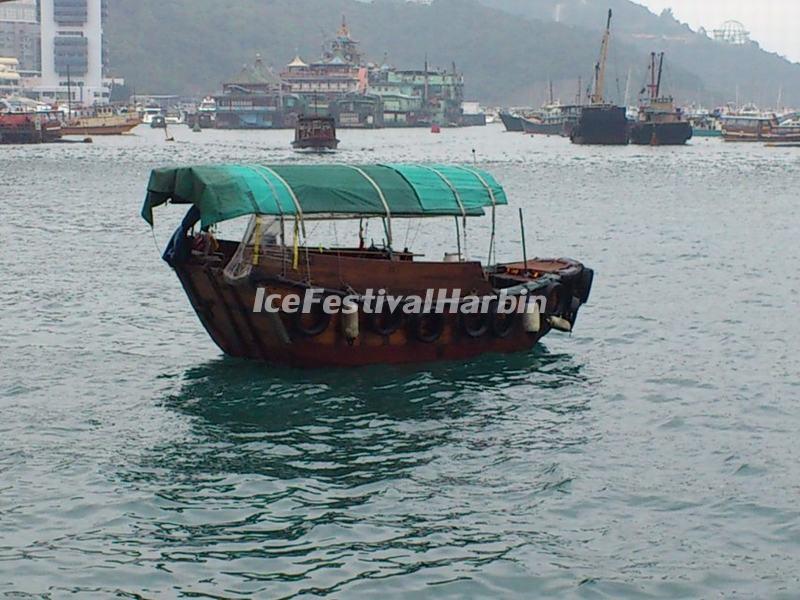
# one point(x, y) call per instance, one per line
point(654, 453)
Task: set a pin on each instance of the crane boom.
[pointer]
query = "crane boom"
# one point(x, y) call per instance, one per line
point(600, 68)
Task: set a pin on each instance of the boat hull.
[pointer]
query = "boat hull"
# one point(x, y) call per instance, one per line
point(228, 311)
point(730, 136)
point(318, 145)
point(701, 132)
point(660, 134)
point(28, 129)
point(99, 129)
point(601, 125)
point(511, 122)
point(534, 128)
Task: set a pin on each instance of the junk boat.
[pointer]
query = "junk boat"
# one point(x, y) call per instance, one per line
point(659, 122)
point(315, 133)
point(101, 120)
point(601, 122)
point(227, 282)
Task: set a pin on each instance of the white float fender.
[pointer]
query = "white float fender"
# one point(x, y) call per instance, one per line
point(531, 319)
point(350, 325)
point(560, 324)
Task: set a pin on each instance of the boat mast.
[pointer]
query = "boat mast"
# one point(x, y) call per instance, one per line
point(652, 85)
point(600, 67)
point(69, 95)
point(660, 70)
point(628, 86)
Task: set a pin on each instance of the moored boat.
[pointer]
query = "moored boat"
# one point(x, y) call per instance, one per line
point(601, 122)
point(315, 133)
point(273, 296)
point(659, 123)
point(511, 121)
point(706, 126)
point(752, 126)
point(550, 120)
point(29, 128)
point(99, 121)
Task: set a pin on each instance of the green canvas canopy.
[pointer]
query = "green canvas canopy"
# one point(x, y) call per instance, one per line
point(223, 192)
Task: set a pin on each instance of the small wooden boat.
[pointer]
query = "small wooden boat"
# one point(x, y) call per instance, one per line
point(315, 133)
point(248, 293)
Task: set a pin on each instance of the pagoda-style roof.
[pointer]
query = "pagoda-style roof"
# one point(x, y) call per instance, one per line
point(257, 74)
point(297, 63)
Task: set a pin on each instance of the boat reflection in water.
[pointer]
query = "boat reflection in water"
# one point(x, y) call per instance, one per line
point(306, 420)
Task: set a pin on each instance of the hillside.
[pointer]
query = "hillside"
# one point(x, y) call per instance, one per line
point(757, 75)
point(191, 46)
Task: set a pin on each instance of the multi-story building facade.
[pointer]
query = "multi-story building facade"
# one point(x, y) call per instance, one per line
point(72, 50)
point(9, 76)
point(339, 72)
point(343, 85)
point(19, 34)
point(256, 98)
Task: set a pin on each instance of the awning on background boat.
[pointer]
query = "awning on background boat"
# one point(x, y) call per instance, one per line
point(223, 192)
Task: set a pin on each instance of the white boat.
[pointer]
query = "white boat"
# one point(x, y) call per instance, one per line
point(150, 111)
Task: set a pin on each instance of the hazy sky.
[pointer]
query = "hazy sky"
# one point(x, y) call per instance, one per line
point(772, 23)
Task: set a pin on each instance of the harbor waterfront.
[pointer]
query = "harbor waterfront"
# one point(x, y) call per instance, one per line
point(651, 454)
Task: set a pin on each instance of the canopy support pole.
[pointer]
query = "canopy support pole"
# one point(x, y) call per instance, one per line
point(457, 196)
point(458, 240)
point(494, 206)
point(388, 218)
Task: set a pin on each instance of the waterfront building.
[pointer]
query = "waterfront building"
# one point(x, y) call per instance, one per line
point(19, 34)
point(418, 97)
point(339, 72)
point(256, 98)
point(9, 76)
point(72, 50)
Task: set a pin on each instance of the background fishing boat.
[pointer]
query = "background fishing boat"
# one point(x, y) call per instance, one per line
point(659, 123)
point(99, 120)
point(315, 133)
point(601, 122)
point(512, 122)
